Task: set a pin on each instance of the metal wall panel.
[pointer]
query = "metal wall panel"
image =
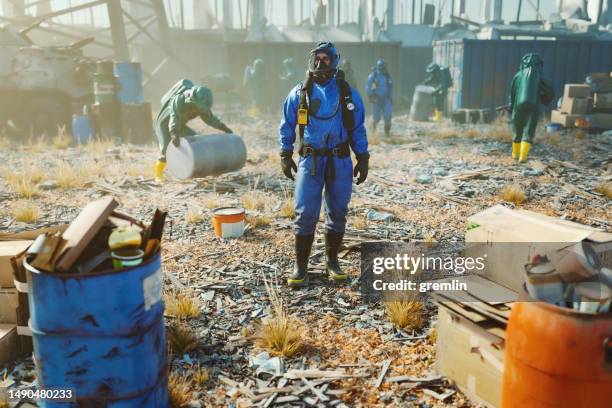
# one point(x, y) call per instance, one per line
point(412, 71)
point(483, 69)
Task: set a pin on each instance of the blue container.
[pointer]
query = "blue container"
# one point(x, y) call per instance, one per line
point(129, 82)
point(553, 127)
point(82, 128)
point(102, 335)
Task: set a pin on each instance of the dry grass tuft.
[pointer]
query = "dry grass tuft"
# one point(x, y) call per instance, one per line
point(473, 133)
point(360, 223)
point(258, 220)
point(445, 133)
point(513, 193)
point(178, 390)
point(287, 210)
point(23, 183)
point(280, 333)
point(181, 338)
point(139, 170)
point(256, 200)
point(211, 202)
point(200, 375)
point(67, 177)
point(181, 304)
point(405, 314)
point(26, 212)
point(62, 140)
point(4, 141)
point(605, 189)
point(193, 216)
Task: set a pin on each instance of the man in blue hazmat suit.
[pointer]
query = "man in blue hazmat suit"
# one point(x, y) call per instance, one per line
point(379, 88)
point(183, 102)
point(527, 90)
point(329, 116)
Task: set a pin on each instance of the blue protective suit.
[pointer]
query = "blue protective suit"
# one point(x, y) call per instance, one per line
point(327, 131)
point(379, 88)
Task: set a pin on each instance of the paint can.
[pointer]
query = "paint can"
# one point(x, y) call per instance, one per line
point(229, 222)
point(126, 258)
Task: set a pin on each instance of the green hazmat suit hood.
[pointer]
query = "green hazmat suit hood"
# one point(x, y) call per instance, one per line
point(533, 61)
point(201, 97)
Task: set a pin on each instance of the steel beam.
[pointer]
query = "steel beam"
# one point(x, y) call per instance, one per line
point(115, 16)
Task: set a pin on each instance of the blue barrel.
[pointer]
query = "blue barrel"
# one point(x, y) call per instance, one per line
point(102, 335)
point(129, 80)
point(82, 128)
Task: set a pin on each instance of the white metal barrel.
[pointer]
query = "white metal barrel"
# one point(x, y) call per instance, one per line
point(206, 155)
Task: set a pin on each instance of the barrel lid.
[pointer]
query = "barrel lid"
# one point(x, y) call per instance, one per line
point(541, 269)
point(181, 160)
point(228, 211)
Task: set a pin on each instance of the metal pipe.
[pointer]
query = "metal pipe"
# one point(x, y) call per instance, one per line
point(518, 10)
point(413, 10)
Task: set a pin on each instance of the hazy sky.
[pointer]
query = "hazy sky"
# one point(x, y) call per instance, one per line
point(276, 9)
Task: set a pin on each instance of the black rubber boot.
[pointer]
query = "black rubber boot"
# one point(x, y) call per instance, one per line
point(387, 130)
point(303, 245)
point(333, 240)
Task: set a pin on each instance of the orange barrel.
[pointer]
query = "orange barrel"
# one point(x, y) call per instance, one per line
point(228, 222)
point(557, 357)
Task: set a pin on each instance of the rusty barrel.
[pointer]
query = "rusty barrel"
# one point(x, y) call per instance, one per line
point(557, 357)
point(101, 335)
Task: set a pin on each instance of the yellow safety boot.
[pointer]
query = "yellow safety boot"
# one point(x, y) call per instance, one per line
point(159, 171)
point(516, 150)
point(525, 146)
point(437, 116)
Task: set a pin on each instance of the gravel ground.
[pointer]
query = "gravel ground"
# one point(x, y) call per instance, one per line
point(429, 177)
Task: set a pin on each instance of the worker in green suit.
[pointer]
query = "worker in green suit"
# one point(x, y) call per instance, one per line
point(527, 90)
point(440, 79)
point(179, 105)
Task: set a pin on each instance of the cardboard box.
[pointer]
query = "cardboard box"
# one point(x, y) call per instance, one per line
point(600, 120)
point(576, 106)
point(563, 119)
point(601, 82)
point(471, 357)
point(8, 343)
point(510, 238)
point(602, 100)
point(577, 91)
point(83, 229)
point(9, 249)
point(9, 302)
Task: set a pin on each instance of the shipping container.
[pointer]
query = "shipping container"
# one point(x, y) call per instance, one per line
point(483, 69)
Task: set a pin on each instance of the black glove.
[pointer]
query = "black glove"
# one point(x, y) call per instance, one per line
point(287, 164)
point(226, 129)
point(361, 167)
point(176, 140)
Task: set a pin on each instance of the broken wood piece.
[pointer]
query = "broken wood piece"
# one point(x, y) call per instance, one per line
point(316, 391)
point(403, 378)
point(440, 397)
point(299, 374)
point(383, 371)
